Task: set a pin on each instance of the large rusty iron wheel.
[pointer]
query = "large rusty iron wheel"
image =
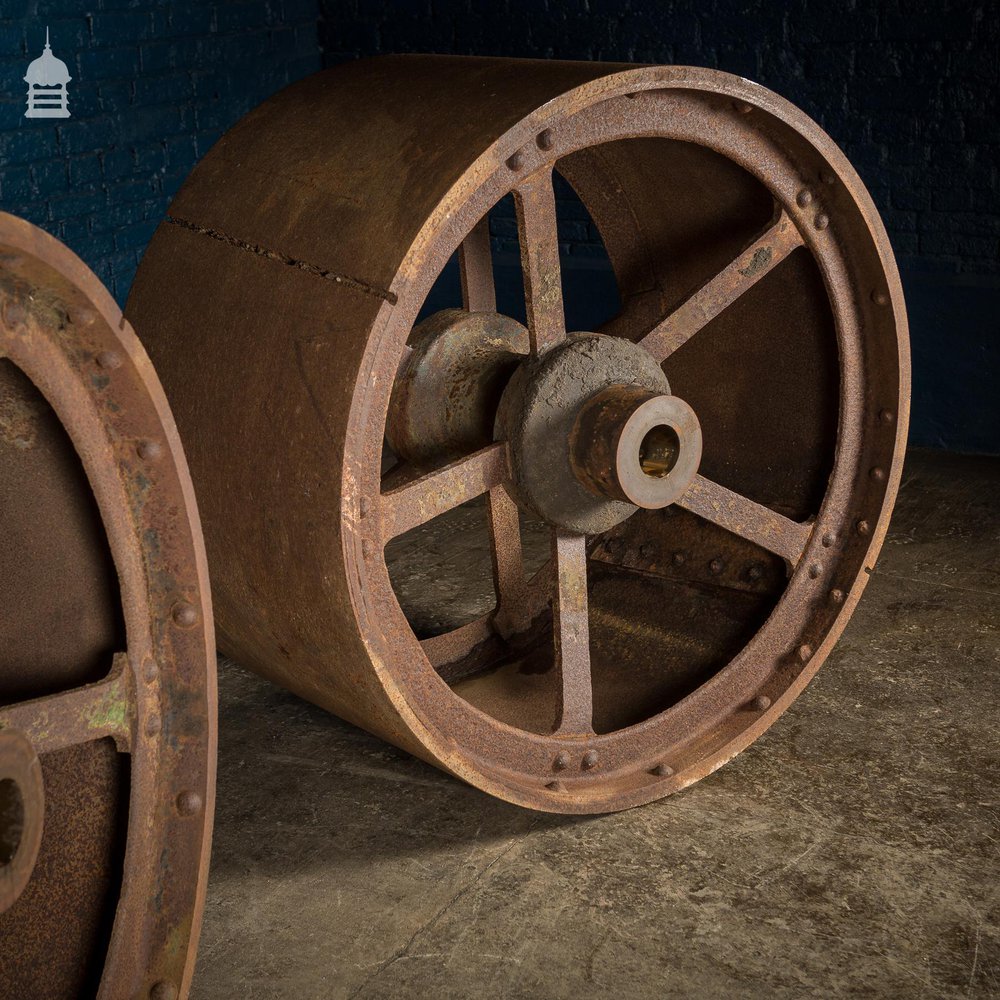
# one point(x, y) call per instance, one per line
point(107, 661)
point(715, 467)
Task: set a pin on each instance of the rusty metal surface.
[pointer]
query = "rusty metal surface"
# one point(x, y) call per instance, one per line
point(636, 446)
point(22, 813)
point(537, 417)
point(751, 265)
point(107, 656)
point(446, 394)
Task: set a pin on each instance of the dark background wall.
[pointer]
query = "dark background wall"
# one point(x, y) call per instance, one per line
point(907, 89)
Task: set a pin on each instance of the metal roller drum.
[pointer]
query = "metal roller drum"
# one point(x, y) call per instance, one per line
point(682, 507)
point(107, 662)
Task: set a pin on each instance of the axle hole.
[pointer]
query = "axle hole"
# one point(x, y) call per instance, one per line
point(659, 451)
point(11, 820)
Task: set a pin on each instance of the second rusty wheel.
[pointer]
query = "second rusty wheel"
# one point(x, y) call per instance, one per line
point(713, 468)
point(107, 660)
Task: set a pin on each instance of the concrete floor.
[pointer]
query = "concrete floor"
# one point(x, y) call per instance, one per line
point(852, 851)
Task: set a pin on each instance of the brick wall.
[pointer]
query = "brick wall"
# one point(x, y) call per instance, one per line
point(154, 85)
point(908, 89)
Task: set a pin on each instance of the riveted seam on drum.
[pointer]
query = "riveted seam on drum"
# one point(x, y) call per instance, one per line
point(282, 258)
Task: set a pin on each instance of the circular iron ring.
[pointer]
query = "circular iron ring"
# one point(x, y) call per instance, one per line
point(312, 257)
point(107, 671)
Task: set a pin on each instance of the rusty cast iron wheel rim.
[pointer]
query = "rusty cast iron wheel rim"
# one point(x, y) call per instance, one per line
point(107, 674)
point(751, 265)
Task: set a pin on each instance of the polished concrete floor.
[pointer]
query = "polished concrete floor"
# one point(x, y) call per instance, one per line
point(851, 852)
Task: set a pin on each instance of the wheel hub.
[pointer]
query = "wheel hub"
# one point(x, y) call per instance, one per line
point(445, 398)
point(595, 434)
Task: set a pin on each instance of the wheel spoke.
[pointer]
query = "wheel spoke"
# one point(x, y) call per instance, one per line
point(476, 263)
point(752, 521)
point(449, 647)
point(508, 563)
point(571, 631)
point(536, 222)
point(80, 715)
point(724, 289)
point(425, 498)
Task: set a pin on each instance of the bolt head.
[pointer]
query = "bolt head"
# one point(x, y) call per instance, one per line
point(545, 140)
point(561, 762)
point(163, 991)
point(878, 474)
point(761, 703)
point(821, 221)
point(515, 161)
point(662, 771)
point(837, 596)
point(589, 761)
point(804, 198)
point(556, 786)
point(188, 803)
point(109, 360)
point(149, 450)
point(805, 652)
point(716, 566)
point(185, 615)
point(864, 528)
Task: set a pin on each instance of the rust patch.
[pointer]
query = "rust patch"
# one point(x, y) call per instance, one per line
point(19, 416)
point(758, 262)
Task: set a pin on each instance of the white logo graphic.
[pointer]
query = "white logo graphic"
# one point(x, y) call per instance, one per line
point(46, 79)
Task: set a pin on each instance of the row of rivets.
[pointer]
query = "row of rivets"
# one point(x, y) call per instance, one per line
point(562, 761)
point(184, 615)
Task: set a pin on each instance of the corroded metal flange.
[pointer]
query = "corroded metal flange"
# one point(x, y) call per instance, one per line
point(538, 418)
point(752, 269)
point(446, 395)
point(107, 666)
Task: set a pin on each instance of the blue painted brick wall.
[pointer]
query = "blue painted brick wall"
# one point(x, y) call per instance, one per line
point(907, 87)
point(154, 85)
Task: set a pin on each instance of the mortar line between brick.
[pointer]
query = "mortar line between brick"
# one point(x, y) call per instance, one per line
point(282, 258)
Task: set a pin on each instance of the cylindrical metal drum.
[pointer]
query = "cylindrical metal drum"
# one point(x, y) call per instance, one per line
point(710, 473)
point(107, 665)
